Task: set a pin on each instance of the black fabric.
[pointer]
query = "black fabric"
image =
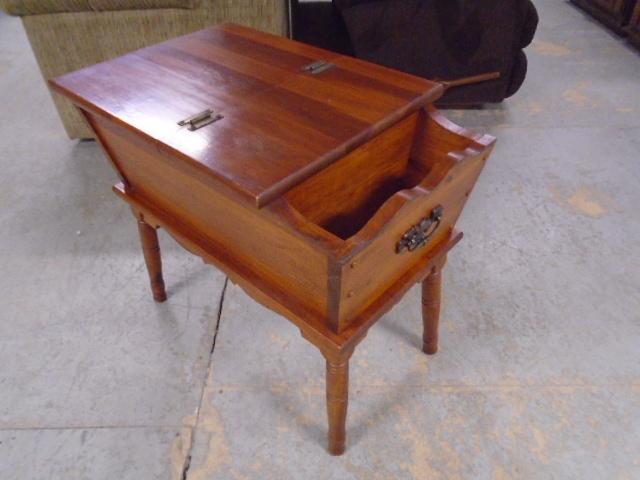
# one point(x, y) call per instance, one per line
point(320, 24)
point(446, 39)
point(518, 72)
point(529, 24)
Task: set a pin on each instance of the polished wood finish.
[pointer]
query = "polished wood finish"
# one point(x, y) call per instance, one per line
point(613, 13)
point(431, 296)
point(634, 26)
point(293, 123)
point(337, 401)
point(151, 252)
point(301, 192)
point(375, 171)
point(251, 237)
point(459, 82)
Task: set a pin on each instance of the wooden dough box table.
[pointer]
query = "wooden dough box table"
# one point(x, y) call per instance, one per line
point(325, 186)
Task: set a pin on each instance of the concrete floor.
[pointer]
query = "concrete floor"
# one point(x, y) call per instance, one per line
point(538, 376)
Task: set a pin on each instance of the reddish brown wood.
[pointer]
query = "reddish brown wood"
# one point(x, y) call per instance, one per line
point(293, 123)
point(151, 251)
point(301, 193)
point(634, 26)
point(337, 402)
point(458, 82)
point(446, 161)
point(613, 13)
point(431, 295)
point(376, 171)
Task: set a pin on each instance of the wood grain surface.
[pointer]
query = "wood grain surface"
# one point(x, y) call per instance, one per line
point(281, 124)
point(301, 192)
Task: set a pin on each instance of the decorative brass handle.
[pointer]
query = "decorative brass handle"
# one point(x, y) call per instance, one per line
point(418, 235)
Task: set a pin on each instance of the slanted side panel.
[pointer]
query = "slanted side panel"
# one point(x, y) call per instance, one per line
point(378, 266)
point(281, 258)
point(343, 197)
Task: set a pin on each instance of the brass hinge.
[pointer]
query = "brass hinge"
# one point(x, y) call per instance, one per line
point(317, 67)
point(201, 119)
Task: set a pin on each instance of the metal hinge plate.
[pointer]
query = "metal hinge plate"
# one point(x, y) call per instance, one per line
point(317, 67)
point(201, 119)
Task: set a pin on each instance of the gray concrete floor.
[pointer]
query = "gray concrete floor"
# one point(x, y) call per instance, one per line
point(538, 376)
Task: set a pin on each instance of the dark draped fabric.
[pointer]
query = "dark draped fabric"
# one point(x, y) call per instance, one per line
point(445, 39)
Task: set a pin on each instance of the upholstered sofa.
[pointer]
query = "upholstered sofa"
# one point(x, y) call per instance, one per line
point(68, 34)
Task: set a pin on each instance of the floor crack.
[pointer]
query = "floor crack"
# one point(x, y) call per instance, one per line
point(215, 333)
point(187, 463)
point(187, 458)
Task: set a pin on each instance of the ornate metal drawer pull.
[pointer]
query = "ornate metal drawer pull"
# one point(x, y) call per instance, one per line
point(201, 119)
point(418, 235)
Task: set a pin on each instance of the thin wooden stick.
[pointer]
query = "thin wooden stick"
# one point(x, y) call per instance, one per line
point(483, 77)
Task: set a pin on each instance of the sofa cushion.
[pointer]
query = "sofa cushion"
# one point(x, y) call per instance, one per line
point(40, 7)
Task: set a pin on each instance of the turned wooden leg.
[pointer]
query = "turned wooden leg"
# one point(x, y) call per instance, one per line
point(337, 400)
point(151, 251)
point(431, 288)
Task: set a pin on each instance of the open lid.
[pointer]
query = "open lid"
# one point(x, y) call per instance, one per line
point(288, 109)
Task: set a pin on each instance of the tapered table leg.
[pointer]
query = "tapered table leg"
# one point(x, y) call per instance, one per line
point(151, 251)
point(337, 401)
point(431, 293)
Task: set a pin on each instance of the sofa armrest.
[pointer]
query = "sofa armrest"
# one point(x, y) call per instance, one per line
point(43, 7)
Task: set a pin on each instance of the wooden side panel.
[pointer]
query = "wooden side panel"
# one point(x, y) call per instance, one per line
point(279, 257)
point(343, 196)
point(377, 266)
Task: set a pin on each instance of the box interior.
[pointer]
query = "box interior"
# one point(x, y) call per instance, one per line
point(345, 196)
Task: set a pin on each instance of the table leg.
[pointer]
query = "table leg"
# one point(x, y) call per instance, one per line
point(337, 401)
point(431, 292)
point(151, 251)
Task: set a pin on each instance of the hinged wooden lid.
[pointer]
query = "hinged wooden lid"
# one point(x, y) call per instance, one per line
point(283, 110)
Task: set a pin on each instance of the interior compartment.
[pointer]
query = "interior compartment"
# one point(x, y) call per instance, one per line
point(343, 197)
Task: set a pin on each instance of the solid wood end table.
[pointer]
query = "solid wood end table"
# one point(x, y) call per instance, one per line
point(324, 185)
